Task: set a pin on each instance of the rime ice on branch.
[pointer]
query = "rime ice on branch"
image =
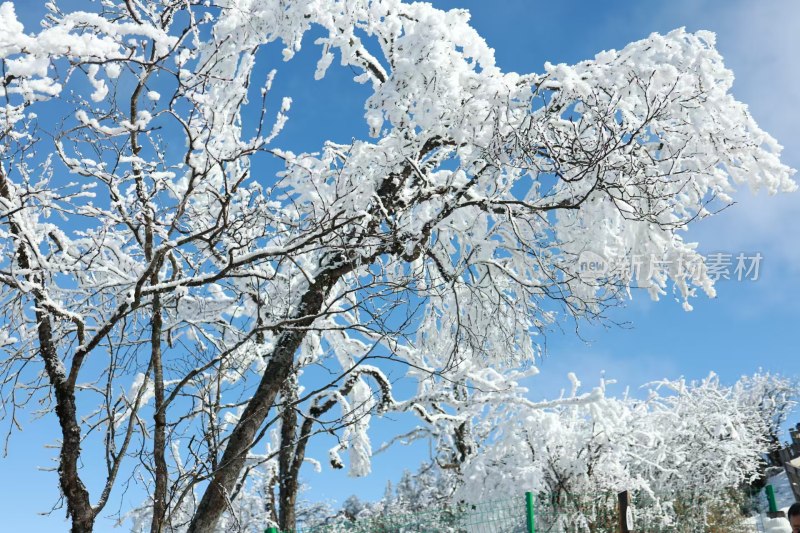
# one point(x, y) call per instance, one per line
point(206, 285)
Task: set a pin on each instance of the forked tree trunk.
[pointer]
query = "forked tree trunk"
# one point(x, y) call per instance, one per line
point(215, 499)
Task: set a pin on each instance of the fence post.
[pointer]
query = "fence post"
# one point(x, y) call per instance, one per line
point(773, 507)
point(625, 515)
point(529, 512)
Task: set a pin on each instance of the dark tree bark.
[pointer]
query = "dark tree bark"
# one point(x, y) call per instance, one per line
point(160, 420)
point(79, 508)
point(288, 478)
point(215, 499)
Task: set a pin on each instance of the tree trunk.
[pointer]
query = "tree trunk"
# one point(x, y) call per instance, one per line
point(79, 507)
point(160, 420)
point(215, 499)
point(287, 457)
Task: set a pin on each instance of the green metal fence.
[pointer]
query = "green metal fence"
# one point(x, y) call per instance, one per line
point(523, 514)
point(547, 513)
point(501, 516)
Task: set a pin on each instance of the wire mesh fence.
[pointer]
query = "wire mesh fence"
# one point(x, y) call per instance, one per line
point(561, 513)
point(501, 516)
point(680, 511)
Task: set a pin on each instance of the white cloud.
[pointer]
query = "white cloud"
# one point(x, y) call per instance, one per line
point(760, 43)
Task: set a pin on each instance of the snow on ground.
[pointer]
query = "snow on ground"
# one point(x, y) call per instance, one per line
point(783, 498)
point(777, 525)
point(763, 524)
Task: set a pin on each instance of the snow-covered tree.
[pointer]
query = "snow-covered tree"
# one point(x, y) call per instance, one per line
point(682, 448)
point(685, 450)
point(775, 397)
point(426, 493)
point(158, 288)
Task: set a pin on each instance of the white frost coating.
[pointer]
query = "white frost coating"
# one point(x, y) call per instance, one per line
point(100, 87)
point(359, 443)
point(316, 465)
point(323, 64)
point(473, 203)
point(5, 338)
point(113, 70)
point(95, 124)
point(697, 436)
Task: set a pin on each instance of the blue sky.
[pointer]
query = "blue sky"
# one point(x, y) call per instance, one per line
point(750, 325)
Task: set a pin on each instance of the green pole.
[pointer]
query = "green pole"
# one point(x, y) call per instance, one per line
point(529, 512)
point(271, 530)
point(773, 507)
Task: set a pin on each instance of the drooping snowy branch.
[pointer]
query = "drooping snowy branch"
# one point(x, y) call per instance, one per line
point(445, 243)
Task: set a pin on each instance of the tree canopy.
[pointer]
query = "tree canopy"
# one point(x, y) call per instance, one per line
point(164, 293)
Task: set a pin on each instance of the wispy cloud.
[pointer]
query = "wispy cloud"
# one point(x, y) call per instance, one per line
point(760, 43)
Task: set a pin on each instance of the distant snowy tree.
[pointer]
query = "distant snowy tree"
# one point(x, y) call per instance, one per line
point(426, 492)
point(158, 288)
point(686, 445)
point(774, 396)
point(686, 450)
